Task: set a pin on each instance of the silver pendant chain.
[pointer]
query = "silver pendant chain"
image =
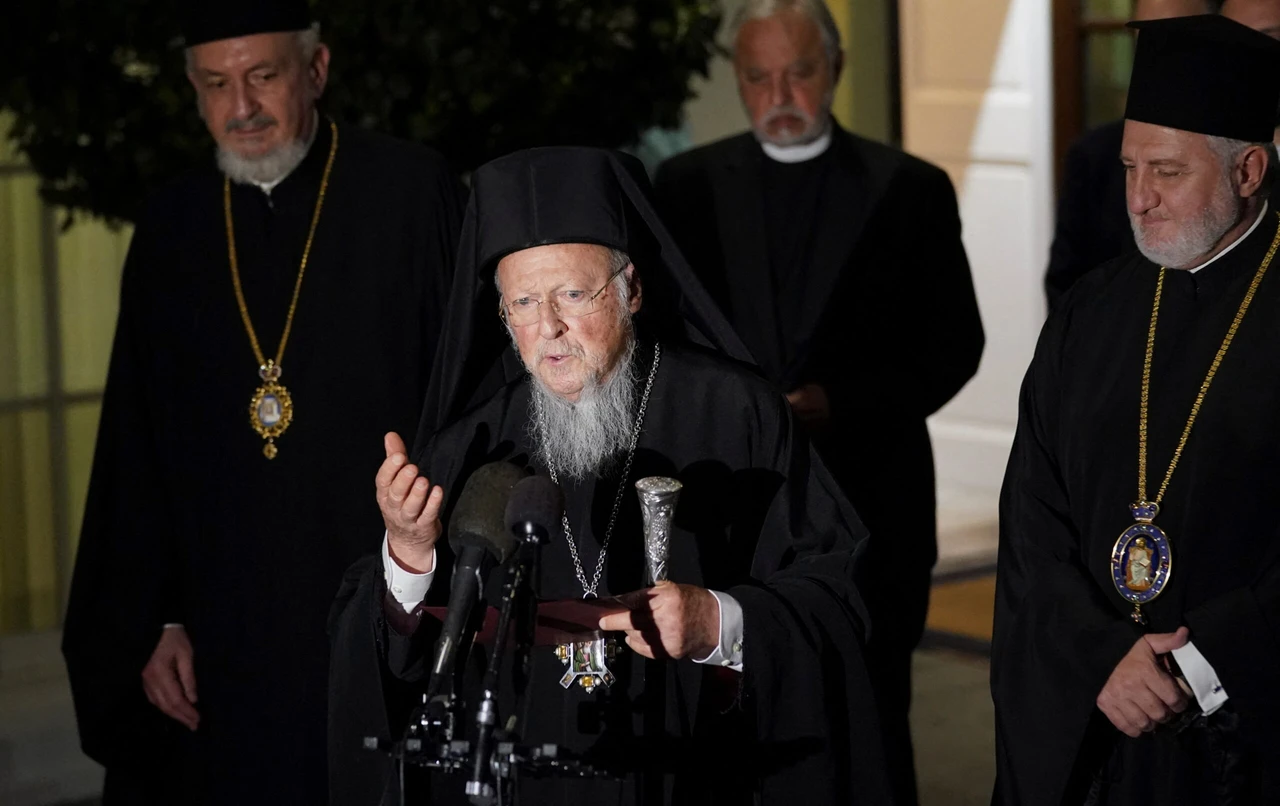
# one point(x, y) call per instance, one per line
point(589, 591)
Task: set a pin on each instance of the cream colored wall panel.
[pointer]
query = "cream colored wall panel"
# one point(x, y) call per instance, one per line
point(997, 208)
point(996, 123)
point(977, 99)
point(951, 43)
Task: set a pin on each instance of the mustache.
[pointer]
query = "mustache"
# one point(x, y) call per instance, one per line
point(547, 348)
point(786, 110)
point(256, 122)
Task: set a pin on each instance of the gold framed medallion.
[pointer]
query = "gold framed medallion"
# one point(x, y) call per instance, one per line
point(270, 412)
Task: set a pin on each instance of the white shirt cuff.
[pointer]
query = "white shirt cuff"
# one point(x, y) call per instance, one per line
point(408, 588)
point(1201, 677)
point(729, 651)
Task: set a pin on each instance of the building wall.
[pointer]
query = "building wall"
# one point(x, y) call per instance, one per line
point(977, 100)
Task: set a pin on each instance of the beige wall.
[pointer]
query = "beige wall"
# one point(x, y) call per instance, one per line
point(977, 100)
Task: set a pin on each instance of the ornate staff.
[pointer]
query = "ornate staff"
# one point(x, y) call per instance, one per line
point(658, 497)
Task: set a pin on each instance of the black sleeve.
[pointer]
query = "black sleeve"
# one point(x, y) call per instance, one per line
point(1056, 639)
point(912, 318)
point(125, 585)
point(804, 629)
point(1239, 635)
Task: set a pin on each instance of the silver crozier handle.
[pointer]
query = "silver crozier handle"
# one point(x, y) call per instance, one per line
point(658, 497)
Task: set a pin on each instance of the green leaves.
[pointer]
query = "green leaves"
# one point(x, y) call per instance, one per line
point(104, 112)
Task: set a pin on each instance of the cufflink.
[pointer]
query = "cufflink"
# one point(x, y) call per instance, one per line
point(725, 662)
point(1217, 688)
point(397, 589)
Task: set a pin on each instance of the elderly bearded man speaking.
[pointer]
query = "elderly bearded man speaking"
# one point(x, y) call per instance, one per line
point(744, 675)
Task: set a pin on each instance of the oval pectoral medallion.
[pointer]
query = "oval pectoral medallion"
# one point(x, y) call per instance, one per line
point(1141, 563)
point(270, 413)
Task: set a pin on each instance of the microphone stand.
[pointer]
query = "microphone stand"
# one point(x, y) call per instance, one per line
point(517, 596)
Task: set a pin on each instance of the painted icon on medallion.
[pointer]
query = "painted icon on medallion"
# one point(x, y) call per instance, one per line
point(269, 412)
point(1138, 566)
point(1141, 563)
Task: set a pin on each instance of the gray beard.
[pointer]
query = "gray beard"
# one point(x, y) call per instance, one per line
point(1196, 237)
point(583, 438)
point(270, 167)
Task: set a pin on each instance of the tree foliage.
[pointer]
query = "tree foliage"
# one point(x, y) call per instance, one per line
point(104, 113)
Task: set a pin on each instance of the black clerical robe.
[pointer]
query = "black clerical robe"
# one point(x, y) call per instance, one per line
point(1060, 625)
point(757, 519)
point(874, 302)
point(188, 522)
point(1092, 225)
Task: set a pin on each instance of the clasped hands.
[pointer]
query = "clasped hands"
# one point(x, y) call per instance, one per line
point(1141, 693)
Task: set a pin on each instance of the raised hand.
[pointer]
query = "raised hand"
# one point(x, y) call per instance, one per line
point(410, 508)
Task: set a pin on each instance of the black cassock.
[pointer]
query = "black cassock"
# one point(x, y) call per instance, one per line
point(759, 518)
point(1060, 626)
point(847, 271)
point(188, 522)
point(756, 520)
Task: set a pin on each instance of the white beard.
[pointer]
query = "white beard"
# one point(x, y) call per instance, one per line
point(273, 166)
point(582, 438)
point(1197, 237)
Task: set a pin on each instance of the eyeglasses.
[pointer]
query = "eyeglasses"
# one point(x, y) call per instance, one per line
point(568, 304)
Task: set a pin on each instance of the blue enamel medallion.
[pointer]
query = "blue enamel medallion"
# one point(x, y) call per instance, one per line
point(1141, 563)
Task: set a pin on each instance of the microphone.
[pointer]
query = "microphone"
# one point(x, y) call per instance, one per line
point(535, 503)
point(479, 539)
point(535, 508)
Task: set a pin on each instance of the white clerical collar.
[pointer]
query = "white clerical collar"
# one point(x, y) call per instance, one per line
point(800, 153)
point(267, 187)
point(1237, 241)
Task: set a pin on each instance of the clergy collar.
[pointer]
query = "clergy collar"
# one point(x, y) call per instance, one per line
point(1261, 215)
point(800, 153)
point(267, 187)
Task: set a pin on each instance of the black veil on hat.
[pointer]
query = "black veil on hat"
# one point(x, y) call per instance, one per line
point(208, 22)
point(558, 195)
point(1205, 74)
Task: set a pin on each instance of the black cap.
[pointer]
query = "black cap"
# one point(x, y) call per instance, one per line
point(209, 22)
point(1205, 74)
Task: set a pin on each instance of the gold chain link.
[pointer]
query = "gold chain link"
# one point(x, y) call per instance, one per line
point(263, 363)
point(1204, 387)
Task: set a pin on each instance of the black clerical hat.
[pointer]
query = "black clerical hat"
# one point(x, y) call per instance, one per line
point(564, 194)
point(1205, 74)
point(228, 19)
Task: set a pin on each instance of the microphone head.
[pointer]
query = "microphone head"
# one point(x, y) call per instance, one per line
point(536, 500)
point(478, 518)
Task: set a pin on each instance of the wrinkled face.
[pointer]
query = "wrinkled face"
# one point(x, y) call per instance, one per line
point(785, 77)
point(1181, 199)
point(1260, 15)
point(566, 353)
point(256, 93)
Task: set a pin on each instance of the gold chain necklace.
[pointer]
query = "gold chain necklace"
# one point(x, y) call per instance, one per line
point(271, 409)
point(1141, 560)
